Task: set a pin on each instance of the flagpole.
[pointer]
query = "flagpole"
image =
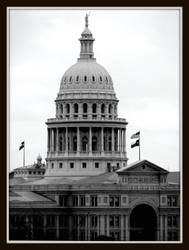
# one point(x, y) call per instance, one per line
point(24, 155)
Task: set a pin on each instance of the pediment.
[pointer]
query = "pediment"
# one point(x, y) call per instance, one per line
point(142, 166)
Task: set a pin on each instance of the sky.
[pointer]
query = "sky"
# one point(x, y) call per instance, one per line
point(140, 50)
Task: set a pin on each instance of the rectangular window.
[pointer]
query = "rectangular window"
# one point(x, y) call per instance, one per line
point(60, 165)
point(172, 221)
point(75, 201)
point(114, 201)
point(105, 199)
point(96, 164)
point(84, 165)
point(52, 165)
point(114, 221)
point(62, 200)
point(82, 200)
point(94, 220)
point(82, 221)
point(71, 165)
point(172, 201)
point(94, 202)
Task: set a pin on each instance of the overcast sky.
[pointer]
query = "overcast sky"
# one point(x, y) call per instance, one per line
point(139, 49)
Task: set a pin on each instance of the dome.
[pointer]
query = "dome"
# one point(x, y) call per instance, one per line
point(86, 74)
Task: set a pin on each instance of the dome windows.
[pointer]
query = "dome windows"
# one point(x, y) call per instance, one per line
point(85, 78)
point(102, 108)
point(106, 79)
point(70, 79)
point(77, 78)
point(75, 108)
point(100, 79)
point(94, 108)
point(85, 108)
point(93, 78)
point(67, 108)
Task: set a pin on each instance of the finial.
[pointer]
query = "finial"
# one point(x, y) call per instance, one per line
point(87, 20)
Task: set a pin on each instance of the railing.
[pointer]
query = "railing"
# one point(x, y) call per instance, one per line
point(88, 119)
point(86, 153)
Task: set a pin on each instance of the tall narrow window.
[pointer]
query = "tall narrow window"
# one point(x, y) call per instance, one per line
point(67, 108)
point(84, 143)
point(94, 143)
point(75, 108)
point(75, 144)
point(70, 78)
point(85, 78)
point(110, 109)
point(77, 78)
point(94, 108)
point(93, 78)
point(85, 108)
point(100, 78)
point(102, 108)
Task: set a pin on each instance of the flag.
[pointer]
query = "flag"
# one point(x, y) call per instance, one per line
point(21, 146)
point(135, 144)
point(137, 135)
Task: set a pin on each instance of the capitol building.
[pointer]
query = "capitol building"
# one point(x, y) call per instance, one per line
point(86, 190)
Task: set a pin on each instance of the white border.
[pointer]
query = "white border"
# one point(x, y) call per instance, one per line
point(180, 120)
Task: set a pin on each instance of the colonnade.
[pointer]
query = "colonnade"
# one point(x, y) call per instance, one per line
point(106, 110)
point(86, 139)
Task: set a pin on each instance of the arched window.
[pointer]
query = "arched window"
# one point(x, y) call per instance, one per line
point(75, 108)
point(94, 108)
point(85, 108)
point(70, 78)
point(100, 78)
point(77, 78)
point(75, 143)
point(110, 109)
point(61, 108)
point(67, 108)
point(102, 108)
point(94, 143)
point(106, 79)
point(85, 78)
point(115, 108)
point(93, 78)
point(84, 143)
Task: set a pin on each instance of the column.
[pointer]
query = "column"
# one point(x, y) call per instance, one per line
point(123, 140)
point(102, 225)
point(52, 140)
point(122, 227)
point(86, 227)
point(107, 225)
point(44, 226)
point(119, 141)
point(66, 140)
point(121, 131)
point(90, 140)
point(161, 228)
point(165, 227)
point(57, 140)
point(78, 140)
point(127, 237)
point(48, 140)
point(112, 139)
point(70, 227)
point(57, 227)
point(102, 139)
